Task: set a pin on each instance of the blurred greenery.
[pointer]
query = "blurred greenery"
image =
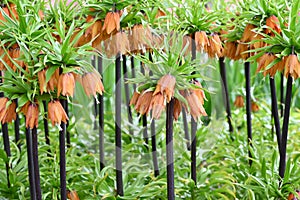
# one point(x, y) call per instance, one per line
point(223, 171)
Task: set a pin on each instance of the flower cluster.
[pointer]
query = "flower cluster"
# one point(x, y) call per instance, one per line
point(147, 101)
point(47, 71)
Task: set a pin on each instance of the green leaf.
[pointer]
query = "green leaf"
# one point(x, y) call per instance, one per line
point(3, 156)
point(294, 15)
point(287, 51)
point(68, 69)
point(50, 71)
point(264, 169)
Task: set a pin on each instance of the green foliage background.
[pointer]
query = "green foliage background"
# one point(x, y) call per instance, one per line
point(223, 171)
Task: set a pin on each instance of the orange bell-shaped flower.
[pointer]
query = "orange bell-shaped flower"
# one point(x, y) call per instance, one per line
point(7, 113)
point(143, 103)
point(195, 105)
point(72, 195)
point(292, 66)
point(273, 23)
point(112, 22)
point(157, 105)
point(177, 109)
point(239, 101)
point(254, 106)
point(134, 98)
point(215, 47)
point(31, 112)
point(166, 86)
point(265, 60)
point(56, 113)
point(66, 84)
point(201, 40)
point(92, 83)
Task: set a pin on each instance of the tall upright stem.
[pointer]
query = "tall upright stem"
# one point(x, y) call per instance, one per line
point(5, 136)
point(285, 126)
point(118, 130)
point(144, 119)
point(46, 127)
point(17, 129)
point(154, 150)
point(169, 145)
point(153, 136)
point(225, 92)
point(281, 94)
point(248, 109)
point(95, 101)
point(145, 131)
point(36, 163)
point(7, 149)
point(127, 98)
point(193, 150)
point(62, 159)
point(101, 118)
point(30, 164)
point(67, 125)
point(186, 129)
point(275, 112)
point(193, 128)
point(133, 71)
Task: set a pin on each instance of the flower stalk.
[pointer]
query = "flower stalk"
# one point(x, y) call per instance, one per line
point(154, 149)
point(127, 98)
point(133, 71)
point(285, 126)
point(6, 149)
point(170, 153)
point(144, 118)
point(118, 130)
point(62, 154)
point(275, 112)
point(153, 136)
point(17, 128)
point(36, 163)
point(193, 128)
point(31, 173)
point(68, 136)
point(225, 92)
point(5, 141)
point(101, 119)
point(248, 109)
point(145, 131)
point(186, 129)
point(281, 94)
point(46, 127)
point(95, 100)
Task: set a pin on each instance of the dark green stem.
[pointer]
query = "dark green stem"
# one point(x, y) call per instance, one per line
point(17, 129)
point(62, 159)
point(169, 145)
point(225, 92)
point(275, 112)
point(101, 118)
point(281, 94)
point(193, 128)
point(36, 163)
point(248, 109)
point(30, 164)
point(285, 126)
point(154, 150)
point(118, 130)
point(127, 98)
point(186, 129)
point(46, 127)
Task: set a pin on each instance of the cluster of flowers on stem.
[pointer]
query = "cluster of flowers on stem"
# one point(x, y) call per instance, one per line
point(156, 100)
